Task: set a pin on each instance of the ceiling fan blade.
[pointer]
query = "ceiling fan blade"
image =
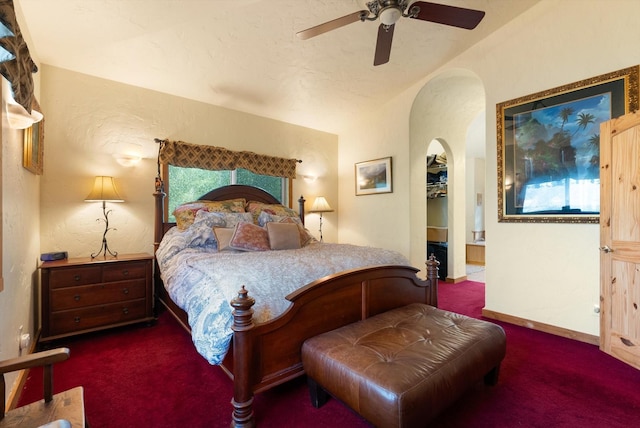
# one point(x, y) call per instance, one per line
point(383, 45)
point(331, 25)
point(449, 15)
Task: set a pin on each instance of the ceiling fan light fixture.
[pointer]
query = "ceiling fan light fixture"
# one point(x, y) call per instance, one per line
point(390, 11)
point(390, 15)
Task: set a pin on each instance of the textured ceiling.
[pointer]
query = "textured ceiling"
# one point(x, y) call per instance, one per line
point(244, 54)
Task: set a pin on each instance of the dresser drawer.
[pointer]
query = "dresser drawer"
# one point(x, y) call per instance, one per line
point(124, 271)
point(95, 294)
point(76, 320)
point(70, 277)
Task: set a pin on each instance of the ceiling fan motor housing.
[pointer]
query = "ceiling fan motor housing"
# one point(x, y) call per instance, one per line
point(389, 11)
point(390, 15)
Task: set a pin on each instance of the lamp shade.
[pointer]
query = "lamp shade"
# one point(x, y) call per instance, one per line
point(104, 189)
point(320, 205)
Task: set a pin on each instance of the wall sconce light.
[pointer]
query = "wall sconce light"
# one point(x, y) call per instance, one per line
point(320, 205)
point(17, 116)
point(309, 178)
point(128, 154)
point(104, 190)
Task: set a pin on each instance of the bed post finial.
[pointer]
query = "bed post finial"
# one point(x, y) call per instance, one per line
point(242, 350)
point(242, 311)
point(432, 277)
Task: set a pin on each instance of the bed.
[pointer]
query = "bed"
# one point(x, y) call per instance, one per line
point(266, 353)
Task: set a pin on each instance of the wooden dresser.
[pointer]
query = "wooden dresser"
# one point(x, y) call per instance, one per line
point(81, 295)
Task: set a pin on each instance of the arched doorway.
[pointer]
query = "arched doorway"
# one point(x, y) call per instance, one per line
point(443, 109)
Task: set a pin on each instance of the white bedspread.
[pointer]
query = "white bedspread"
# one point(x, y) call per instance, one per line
point(202, 281)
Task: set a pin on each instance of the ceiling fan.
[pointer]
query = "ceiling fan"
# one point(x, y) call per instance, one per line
point(390, 11)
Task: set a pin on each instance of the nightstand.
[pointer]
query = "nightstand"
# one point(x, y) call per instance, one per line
point(82, 295)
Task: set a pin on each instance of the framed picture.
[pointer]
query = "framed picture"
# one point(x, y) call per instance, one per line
point(549, 148)
point(33, 151)
point(373, 177)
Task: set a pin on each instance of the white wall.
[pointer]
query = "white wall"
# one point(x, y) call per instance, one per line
point(476, 154)
point(542, 272)
point(380, 220)
point(85, 119)
point(474, 213)
point(549, 272)
point(21, 239)
point(20, 245)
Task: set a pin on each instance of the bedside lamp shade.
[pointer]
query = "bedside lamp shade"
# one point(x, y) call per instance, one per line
point(104, 189)
point(320, 205)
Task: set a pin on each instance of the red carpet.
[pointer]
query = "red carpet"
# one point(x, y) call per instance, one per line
point(153, 377)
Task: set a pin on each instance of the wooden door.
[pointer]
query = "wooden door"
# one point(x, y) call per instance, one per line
point(620, 238)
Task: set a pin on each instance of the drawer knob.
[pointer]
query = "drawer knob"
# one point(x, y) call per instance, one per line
point(125, 272)
point(125, 290)
point(76, 297)
point(125, 311)
point(76, 320)
point(76, 278)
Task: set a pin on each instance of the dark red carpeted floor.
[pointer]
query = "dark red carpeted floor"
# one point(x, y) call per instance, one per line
point(153, 377)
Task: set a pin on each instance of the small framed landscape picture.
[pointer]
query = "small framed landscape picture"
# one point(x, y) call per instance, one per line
point(373, 177)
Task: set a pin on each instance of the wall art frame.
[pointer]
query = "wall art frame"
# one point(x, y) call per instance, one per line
point(373, 177)
point(548, 148)
point(33, 151)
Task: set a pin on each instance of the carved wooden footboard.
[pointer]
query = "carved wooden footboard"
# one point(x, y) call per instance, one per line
point(265, 355)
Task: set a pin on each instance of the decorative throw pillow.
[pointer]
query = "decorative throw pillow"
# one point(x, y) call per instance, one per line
point(223, 236)
point(249, 237)
point(305, 236)
point(232, 219)
point(283, 236)
point(185, 214)
point(227, 206)
point(211, 219)
point(255, 208)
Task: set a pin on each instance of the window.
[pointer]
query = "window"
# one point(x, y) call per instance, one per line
point(188, 184)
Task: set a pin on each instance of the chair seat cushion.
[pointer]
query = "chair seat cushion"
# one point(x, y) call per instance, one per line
point(66, 406)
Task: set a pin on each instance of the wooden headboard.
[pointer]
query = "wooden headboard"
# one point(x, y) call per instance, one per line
point(239, 191)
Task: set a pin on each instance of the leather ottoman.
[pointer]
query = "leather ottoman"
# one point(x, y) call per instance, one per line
point(402, 367)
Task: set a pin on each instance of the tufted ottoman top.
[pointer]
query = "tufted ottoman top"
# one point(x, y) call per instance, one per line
point(402, 367)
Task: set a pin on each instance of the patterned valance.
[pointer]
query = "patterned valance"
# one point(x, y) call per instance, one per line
point(213, 158)
point(16, 64)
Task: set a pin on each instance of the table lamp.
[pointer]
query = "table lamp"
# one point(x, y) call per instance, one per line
point(104, 190)
point(320, 205)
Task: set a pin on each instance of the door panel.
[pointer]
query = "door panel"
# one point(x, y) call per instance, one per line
point(620, 238)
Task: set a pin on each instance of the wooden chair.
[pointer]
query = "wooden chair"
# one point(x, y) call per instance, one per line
point(63, 409)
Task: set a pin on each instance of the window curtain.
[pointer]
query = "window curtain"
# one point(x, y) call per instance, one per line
point(188, 155)
point(16, 64)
